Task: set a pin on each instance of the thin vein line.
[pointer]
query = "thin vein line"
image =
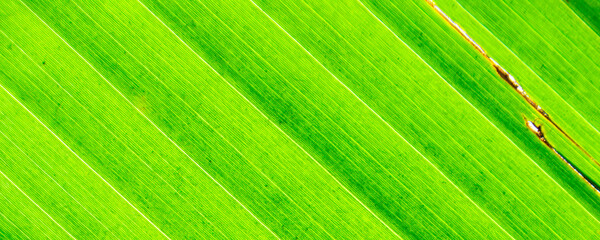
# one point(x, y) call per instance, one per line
point(570, 40)
point(119, 139)
point(269, 119)
point(27, 218)
point(518, 198)
point(481, 114)
point(367, 60)
point(62, 140)
point(558, 53)
point(325, 137)
point(502, 184)
point(13, 224)
point(528, 67)
point(32, 199)
point(388, 80)
point(273, 123)
point(277, 125)
point(79, 103)
point(86, 111)
point(228, 83)
point(78, 156)
point(206, 122)
point(513, 142)
point(555, 26)
point(27, 55)
point(210, 222)
point(566, 35)
point(151, 122)
point(392, 128)
point(55, 182)
point(210, 176)
point(579, 17)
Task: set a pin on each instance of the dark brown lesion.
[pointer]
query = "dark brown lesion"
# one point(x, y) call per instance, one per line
point(503, 74)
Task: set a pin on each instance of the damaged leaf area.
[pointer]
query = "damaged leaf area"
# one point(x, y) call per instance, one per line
point(308, 119)
point(537, 130)
point(508, 78)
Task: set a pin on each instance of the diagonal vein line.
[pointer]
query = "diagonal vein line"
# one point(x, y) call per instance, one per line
point(34, 228)
point(386, 76)
point(153, 124)
point(367, 60)
point(206, 122)
point(14, 225)
point(264, 115)
point(63, 141)
point(545, 84)
point(502, 184)
point(379, 164)
point(32, 199)
point(392, 128)
point(562, 32)
point(254, 106)
point(46, 73)
point(521, 150)
point(81, 9)
point(55, 182)
point(274, 124)
point(512, 141)
point(579, 17)
point(528, 67)
point(555, 26)
point(71, 150)
point(551, 46)
point(113, 134)
point(86, 109)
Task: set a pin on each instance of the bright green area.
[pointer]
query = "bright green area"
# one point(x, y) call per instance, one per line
point(303, 119)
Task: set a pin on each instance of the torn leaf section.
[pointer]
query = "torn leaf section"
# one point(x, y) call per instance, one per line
point(458, 28)
point(537, 130)
point(507, 77)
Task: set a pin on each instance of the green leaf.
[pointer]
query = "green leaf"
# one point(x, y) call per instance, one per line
point(253, 119)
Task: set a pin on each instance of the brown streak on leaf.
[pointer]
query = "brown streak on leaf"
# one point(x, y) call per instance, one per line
point(537, 130)
point(508, 78)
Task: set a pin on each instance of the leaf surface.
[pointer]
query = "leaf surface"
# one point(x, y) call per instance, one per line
point(303, 119)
